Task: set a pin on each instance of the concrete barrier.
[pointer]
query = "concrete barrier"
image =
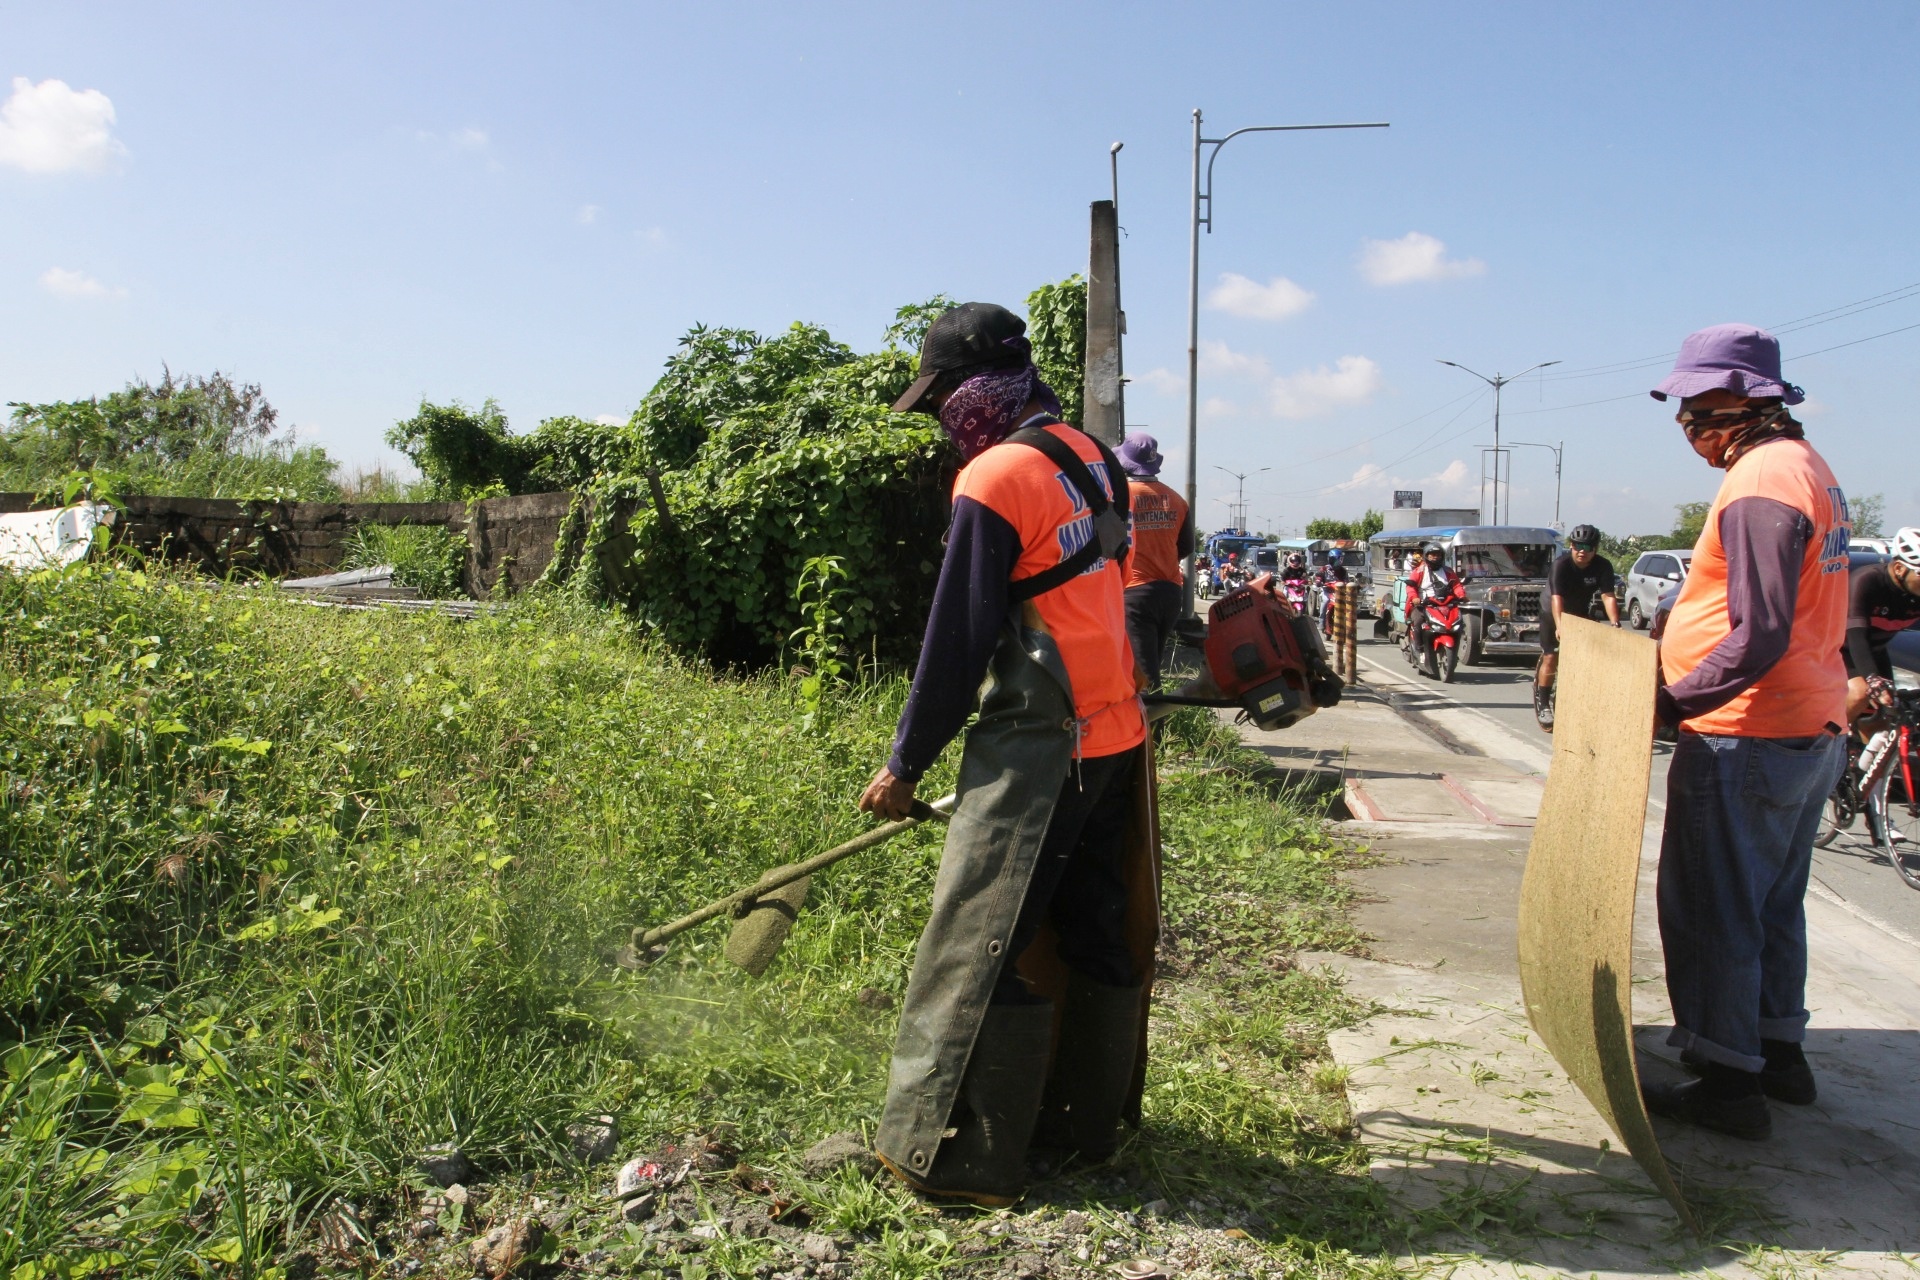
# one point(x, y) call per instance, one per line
point(510, 541)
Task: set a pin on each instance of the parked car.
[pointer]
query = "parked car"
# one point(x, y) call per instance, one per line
point(1652, 575)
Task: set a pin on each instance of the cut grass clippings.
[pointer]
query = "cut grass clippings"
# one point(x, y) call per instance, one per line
point(288, 895)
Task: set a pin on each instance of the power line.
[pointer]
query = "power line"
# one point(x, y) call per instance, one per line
point(1904, 293)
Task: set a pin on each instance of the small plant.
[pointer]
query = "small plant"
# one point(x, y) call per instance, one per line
point(820, 642)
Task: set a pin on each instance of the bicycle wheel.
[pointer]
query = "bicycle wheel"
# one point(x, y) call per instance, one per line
point(1900, 838)
point(1836, 817)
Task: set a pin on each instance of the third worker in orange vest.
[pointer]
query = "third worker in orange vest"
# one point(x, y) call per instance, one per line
point(1162, 537)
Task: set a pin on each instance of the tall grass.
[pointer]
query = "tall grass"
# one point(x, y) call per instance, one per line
point(287, 895)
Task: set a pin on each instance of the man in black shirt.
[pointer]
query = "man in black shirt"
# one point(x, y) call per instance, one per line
point(1580, 574)
point(1882, 601)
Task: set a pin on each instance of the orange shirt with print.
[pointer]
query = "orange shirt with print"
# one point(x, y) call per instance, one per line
point(1085, 616)
point(1807, 689)
point(1159, 514)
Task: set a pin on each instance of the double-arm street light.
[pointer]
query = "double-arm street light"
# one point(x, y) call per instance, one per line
point(1204, 195)
point(1497, 381)
point(1238, 512)
point(1557, 450)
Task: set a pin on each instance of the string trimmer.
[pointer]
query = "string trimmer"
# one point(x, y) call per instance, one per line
point(1262, 657)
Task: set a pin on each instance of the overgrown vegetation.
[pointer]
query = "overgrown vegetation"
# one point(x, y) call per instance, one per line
point(428, 558)
point(290, 895)
point(197, 437)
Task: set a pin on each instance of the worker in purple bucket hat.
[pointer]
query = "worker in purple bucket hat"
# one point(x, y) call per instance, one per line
point(1162, 538)
point(1753, 679)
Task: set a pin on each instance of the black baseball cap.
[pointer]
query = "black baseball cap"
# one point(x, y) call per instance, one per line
point(973, 333)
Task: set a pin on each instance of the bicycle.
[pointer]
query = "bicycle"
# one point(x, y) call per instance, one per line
point(1884, 788)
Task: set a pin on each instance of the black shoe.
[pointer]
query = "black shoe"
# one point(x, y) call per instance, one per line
point(1786, 1078)
point(1092, 1070)
point(1705, 1102)
point(985, 1161)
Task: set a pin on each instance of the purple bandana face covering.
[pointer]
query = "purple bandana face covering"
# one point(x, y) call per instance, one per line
point(980, 412)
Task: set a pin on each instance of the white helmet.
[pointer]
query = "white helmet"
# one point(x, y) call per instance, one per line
point(1906, 547)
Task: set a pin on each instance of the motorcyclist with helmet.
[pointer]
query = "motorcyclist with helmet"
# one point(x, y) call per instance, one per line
point(1293, 580)
point(1580, 575)
point(1431, 579)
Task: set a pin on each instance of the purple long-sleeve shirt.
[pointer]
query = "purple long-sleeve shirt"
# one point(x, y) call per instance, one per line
point(969, 608)
point(1765, 543)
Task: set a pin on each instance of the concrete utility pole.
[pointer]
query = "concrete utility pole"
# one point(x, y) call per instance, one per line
point(1558, 449)
point(1204, 195)
point(1497, 381)
point(1104, 412)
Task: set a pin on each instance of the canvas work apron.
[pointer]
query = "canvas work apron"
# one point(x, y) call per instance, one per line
point(1016, 758)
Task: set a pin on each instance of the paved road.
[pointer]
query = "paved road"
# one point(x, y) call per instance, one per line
point(1850, 870)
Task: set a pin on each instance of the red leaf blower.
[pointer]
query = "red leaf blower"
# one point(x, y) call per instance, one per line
point(1263, 657)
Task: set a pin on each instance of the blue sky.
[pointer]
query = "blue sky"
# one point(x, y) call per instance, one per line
point(361, 205)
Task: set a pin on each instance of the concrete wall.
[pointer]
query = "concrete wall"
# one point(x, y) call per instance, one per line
point(510, 540)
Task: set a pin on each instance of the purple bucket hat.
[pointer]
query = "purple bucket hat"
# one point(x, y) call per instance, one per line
point(1733, 357)
point(1139, 455)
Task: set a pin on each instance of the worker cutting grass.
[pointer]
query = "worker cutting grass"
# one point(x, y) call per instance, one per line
point(293, 896)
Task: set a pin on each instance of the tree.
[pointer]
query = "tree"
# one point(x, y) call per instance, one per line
point(1869, 515)
point(1057, 327)
point(462, 452)
point(1370, 523)
point(1690, 521)
point(1326, 528)
point(192, 436)
point(911, 322)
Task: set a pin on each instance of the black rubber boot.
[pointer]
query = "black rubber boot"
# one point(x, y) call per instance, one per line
point(1725, 1099)
point(1786, 1078)
point(985, 1161)
point(1092, 1070)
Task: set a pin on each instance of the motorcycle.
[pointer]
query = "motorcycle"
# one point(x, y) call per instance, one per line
point(1433, 642)
point(1295, 592)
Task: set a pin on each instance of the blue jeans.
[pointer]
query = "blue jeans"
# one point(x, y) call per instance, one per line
point(1734, 861)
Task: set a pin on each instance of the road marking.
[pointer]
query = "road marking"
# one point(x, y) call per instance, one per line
point(1538, 758)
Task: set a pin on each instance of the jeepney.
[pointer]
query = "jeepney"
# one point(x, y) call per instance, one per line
point(1503, 567)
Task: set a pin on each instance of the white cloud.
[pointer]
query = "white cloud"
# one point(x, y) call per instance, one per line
point(1163, 380)
point(655, 236)
point(49, 128)
point(1311, 392)
point(1452, 476)
point(588, 215)
point(1368, 475)
point(469, 139)
point(1218, 357)
point(1277, 299)
point(62, 283)
point(609, 419)
point(1413, 257)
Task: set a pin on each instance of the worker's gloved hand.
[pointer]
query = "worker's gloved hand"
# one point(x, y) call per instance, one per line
point(888, 796)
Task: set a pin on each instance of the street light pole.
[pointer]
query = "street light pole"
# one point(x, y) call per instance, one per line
point(1240, 498)
point(1497, 381)
point(1205, 195)
point(1558, 449)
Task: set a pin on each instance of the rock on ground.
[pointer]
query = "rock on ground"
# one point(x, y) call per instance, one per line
point(503, 1250)
point(446, 1164)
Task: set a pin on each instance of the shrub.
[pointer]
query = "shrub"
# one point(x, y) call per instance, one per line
point(428, 558)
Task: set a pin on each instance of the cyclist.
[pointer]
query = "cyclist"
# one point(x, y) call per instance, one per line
point(1882, 601)
point(1579, 576)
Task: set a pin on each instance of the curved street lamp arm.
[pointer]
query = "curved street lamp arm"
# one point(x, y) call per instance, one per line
point(1524, 372)
point(1217, 143)
point(1462, 368)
